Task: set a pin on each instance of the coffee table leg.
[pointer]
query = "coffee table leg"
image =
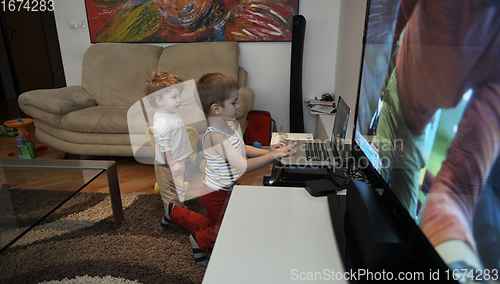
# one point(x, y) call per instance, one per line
point(114, 193)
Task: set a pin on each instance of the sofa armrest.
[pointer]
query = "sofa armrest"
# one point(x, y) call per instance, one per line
point(57, 101)
point(245, 102)
point(242, 76)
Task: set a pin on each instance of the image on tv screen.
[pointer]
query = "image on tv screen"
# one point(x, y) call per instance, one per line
point(428, 120)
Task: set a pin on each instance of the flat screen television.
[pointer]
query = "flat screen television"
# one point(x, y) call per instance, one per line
point(427, 127)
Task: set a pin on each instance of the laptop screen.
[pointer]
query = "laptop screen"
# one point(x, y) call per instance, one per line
point(340, 127)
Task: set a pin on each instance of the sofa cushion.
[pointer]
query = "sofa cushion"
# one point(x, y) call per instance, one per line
point(83, 138)
point(192, 60)
point(115, 73)
point(83, 149)
point(97, 119)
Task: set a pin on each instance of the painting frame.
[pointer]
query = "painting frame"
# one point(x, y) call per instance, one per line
point(177, 21)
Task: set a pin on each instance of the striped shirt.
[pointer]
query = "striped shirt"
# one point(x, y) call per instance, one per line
point(220, 175)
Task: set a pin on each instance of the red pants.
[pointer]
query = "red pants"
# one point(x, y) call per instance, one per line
point(203, 226)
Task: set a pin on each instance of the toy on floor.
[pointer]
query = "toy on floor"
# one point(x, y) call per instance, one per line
point(26, 147)
point(20, 124)
point(38, 149)
point(187, 188)
point(8, 131)
point(196, 159)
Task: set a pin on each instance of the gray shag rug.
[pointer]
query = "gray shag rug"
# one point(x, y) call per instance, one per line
point(79, 244)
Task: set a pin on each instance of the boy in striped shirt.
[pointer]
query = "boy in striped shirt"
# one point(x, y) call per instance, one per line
point(226, 154)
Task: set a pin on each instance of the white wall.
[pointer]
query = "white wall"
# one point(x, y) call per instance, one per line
point(350, 40)
point(320, 50)
point(267, 63)
point(73, 42)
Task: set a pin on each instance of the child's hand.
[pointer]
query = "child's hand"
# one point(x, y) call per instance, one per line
point(284, 151)
point(281, 143)
point(176, 170)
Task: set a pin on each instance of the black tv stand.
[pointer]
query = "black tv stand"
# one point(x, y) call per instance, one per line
point(379, 241)
point(294, 176)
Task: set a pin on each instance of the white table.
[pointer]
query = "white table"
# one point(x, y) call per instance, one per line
point(274, 235)
point(290, 136)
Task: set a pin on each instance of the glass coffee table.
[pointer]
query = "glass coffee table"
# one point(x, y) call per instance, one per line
point(32, 189)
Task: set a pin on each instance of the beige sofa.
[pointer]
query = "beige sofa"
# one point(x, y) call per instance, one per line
point(91, 119)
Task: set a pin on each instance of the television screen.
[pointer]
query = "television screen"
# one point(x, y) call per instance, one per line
point(428, 121)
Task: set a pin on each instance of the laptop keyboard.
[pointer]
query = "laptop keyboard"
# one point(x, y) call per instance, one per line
point(316, 152)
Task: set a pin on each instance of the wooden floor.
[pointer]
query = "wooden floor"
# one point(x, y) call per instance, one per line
point(132, 175)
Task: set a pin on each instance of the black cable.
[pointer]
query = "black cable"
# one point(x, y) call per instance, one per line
point(336, 181)
point(334, 178)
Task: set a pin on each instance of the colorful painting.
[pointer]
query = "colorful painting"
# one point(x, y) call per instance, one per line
point(190, 20)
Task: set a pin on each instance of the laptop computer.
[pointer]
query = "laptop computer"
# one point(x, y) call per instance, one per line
point(317, 153)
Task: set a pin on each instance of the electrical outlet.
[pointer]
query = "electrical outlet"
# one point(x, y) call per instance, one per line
point(72, 23)
point(76, 23)
point(80, 23)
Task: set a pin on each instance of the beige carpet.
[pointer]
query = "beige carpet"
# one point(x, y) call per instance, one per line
point(79, 244)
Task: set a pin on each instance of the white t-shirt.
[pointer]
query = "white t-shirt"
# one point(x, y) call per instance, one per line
point(170, 135)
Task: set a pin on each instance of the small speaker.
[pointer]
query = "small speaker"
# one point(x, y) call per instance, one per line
point(378, 239)
point(296, 110)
